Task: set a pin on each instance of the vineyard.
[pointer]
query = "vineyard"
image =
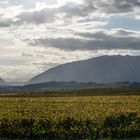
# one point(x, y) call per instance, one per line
point(70, 117)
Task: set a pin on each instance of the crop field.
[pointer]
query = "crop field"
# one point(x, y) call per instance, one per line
point(70, 117)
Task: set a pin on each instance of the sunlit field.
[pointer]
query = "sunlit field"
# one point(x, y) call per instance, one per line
point(70, 117)
point(74, 107)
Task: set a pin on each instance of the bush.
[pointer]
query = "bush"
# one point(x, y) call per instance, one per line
point(115, 126)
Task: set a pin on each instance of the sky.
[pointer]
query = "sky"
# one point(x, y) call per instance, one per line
point(36, 35)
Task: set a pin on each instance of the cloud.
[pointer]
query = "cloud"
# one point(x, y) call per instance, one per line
point(5, 23)
point(85, 11)
point(137, 17)
point(50, 14)
point(78, 12)
point(124, 33)
point(115, 6)
point(37, 17)
point(26, 3)
point(120, 39)
point(42, 34)
point(73, 9)
point(93, 41)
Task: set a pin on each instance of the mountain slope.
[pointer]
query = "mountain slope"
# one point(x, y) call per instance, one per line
point(2, 82)
point(100, 69)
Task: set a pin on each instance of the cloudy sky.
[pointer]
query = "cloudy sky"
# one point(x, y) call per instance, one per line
point(36, 35)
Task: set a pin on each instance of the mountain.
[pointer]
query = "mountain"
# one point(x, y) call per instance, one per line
point(2, 82)
point(65, 87)
point(103, 69)
point(16, 83)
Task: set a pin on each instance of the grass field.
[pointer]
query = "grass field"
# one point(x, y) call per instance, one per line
point(69, 117)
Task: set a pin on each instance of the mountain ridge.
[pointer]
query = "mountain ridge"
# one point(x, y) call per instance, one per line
point(102, 69)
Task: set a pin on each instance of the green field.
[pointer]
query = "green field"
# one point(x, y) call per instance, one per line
point(69, 117)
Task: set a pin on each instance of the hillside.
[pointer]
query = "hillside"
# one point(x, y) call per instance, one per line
point(104, 69)
point(2, 82)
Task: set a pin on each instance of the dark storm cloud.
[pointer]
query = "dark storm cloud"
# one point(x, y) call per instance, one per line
point(91, 41)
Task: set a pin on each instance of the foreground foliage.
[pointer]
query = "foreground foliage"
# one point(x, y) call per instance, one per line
point(86, 117)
